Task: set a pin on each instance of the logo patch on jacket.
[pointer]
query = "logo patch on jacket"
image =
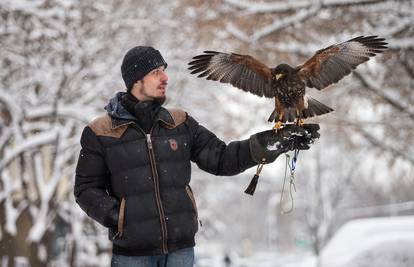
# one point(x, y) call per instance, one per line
point(173, 144)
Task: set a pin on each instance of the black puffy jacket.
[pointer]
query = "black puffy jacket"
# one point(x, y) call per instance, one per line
point(137, 184)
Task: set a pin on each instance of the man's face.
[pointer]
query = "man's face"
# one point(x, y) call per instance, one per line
point(152, 87)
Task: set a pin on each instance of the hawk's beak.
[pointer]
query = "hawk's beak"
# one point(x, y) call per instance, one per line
point(278, 76)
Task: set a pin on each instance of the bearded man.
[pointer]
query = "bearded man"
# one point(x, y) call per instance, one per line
point(134, 169)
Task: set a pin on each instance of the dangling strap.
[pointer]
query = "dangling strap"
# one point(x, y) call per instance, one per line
point(252, 186)
point(294, 159)
point(291, 181)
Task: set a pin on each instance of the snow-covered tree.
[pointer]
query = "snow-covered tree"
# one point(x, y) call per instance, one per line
point(366, 150)
point(60, 63)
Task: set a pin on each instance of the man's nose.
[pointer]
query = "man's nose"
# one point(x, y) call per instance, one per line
point(164, 76)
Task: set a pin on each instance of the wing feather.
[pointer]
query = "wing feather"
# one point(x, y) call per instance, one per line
point(331, 64)
point(241, 71)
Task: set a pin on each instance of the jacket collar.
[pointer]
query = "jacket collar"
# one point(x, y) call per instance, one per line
point(120, 116)
point(163, 116)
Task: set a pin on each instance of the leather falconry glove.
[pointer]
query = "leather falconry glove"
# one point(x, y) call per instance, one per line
point(266, 146)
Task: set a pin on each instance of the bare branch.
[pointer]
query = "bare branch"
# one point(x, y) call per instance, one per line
point(304, 10)
point(375, 88)
point(75, 111)
point(380, 144)
point(30, 143)
point(400, 25)
point(402, 43)
point(409, 69)
point(252, 7)
point(276, 26)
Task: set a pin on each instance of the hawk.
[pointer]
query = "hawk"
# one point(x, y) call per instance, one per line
point(287, 84)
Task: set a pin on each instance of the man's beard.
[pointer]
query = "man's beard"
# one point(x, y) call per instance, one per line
point(160, 100)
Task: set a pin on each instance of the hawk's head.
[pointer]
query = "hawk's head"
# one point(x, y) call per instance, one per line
point(281, 70)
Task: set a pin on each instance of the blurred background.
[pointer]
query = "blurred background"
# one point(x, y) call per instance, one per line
point(60, 63)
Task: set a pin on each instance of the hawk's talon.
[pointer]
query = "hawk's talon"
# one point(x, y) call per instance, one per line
point(277, 126)
point(300, 122)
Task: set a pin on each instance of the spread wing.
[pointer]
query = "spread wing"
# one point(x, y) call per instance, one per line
point(242, 71)
point(331, 64)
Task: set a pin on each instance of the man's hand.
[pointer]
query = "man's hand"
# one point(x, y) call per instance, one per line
point(266, 146)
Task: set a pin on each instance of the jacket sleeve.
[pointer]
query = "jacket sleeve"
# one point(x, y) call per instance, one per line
point(212, 155)
point(92, 182)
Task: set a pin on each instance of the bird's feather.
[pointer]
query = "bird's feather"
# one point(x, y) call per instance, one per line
point(241, 71)
point(332, 63)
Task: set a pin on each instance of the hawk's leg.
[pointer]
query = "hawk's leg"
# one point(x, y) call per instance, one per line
point(299, 120)
point(278, 123)
point(277, 126)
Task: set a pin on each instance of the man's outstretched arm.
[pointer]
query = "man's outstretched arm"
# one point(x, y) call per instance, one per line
point(214, 156)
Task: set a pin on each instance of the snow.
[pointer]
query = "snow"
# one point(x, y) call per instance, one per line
point(402, 43)
point(283, 6)
point(12, 214)
point(40, 139)
point(378, 242)
point(274, 146)
point(277, 24)
point(60, 64)
point(284, 22)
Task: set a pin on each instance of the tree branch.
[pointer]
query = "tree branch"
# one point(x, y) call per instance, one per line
point(277, 25)
point(279, 7)
point(375, 88)
point(377, 143)
point(32, 142)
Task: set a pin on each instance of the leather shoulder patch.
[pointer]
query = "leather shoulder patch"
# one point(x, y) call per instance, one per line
point(179, 116)
point(102, 126)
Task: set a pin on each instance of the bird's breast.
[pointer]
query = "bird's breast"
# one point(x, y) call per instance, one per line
point(289, 90)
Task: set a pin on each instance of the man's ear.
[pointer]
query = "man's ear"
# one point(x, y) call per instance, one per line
point(138, 83)
point(137, 86)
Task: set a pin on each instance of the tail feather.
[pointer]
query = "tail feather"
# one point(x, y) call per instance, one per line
point(314, 108)
point(306, 113)
point(272, 116)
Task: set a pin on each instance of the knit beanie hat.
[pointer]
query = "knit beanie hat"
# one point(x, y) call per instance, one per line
point(138, 62)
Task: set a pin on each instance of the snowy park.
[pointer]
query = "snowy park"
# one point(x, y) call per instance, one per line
point(351, 200)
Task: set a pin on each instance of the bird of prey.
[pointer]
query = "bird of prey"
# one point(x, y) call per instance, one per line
point(286, 83)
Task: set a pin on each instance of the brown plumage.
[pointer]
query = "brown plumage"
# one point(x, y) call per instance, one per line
point(285, 83)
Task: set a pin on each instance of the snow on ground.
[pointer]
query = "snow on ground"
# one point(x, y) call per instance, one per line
point(213, 255)
point(379, 242)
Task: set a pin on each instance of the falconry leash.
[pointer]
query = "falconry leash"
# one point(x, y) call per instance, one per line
point(291, 167)
point(289, 164)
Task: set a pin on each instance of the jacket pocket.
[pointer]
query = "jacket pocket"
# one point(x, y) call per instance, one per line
point(121, 220)
point(191, 196)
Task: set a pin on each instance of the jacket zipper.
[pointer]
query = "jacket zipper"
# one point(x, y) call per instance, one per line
point(157, 192)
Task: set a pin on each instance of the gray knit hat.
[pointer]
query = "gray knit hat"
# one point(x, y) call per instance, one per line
point(138, 62)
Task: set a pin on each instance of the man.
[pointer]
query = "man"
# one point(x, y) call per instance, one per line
point(134, 169)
